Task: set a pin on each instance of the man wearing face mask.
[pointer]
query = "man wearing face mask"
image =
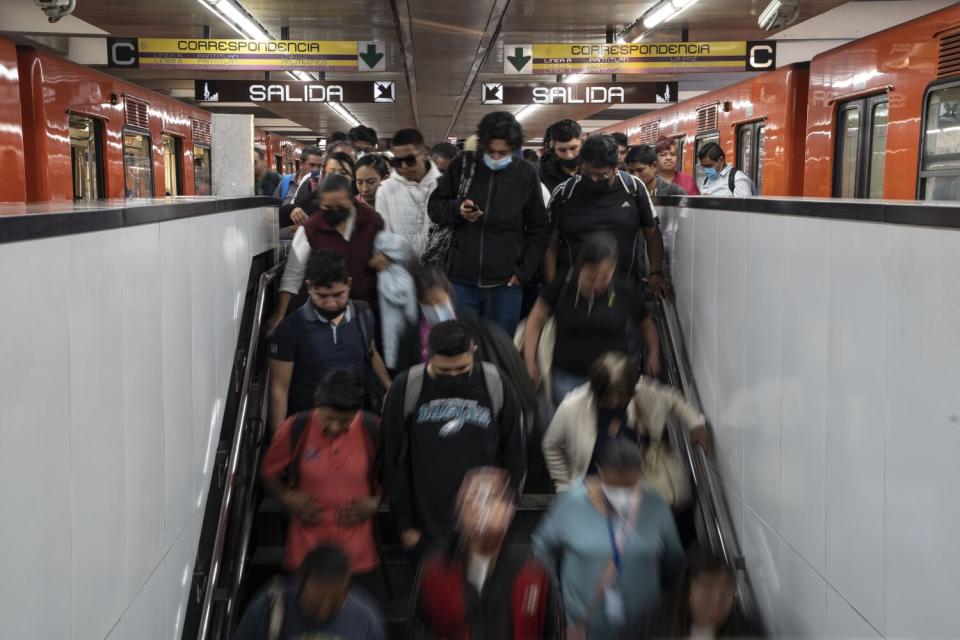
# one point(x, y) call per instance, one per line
point(440, 420)
point(340, 223)
point(316, 602)
point(480, 586)
point(500, 226)
point(562, 160)
point(719, 178)
point(603, 198)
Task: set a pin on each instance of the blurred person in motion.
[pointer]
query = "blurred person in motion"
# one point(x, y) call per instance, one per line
point(561, 160)
point(642, 163)
point(703, 604)
point(500, 227)
point(372, 170)
point(623, 144)
point(316, 602)
point(594, 312)
point(311, 160)
point(404, 196)
point(364, 139)
point(614, 546)
point(322, 466)
point(603, 198)
point(342, 224)
point(339, 142)
point(721, 179)
point(329, 332)
point(619, 404)
point(440, 420)
point(443, 154)
point(265, 180)
point(480, 586)
point(398, 293)
point(668, 166)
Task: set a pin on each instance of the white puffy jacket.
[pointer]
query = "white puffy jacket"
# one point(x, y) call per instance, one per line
point(403, 205)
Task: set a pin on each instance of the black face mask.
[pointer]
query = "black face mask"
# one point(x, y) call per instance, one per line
point(330, 314)
point(336, 216)
point(592, 186)
point(569, 163)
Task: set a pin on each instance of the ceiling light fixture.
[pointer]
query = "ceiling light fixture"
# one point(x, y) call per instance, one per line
point(525, 111)
point(342, 111)
point(665, 10)
point(238, 19)
point(779, 13)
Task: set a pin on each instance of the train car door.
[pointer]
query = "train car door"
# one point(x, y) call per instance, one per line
point(172, 165)
point(201, 170)
point(86, 160)
point(861, 153)
point(750, 151)
point(137, 165)
point(699, 143)
point(940, 147)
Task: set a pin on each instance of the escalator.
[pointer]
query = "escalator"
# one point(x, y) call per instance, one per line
point(242, 541)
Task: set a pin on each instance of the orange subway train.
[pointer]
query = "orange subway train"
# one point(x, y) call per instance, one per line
point(875, 118)
point(282, 153)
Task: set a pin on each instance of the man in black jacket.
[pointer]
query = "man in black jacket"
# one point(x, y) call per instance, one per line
point(439, 421)
point(563, 158)
point(500, 224)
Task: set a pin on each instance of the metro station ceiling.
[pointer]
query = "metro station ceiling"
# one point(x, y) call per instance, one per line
point(455, 47)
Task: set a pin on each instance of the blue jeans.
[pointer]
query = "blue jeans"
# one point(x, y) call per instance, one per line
point(564, 383)
point(499, 304)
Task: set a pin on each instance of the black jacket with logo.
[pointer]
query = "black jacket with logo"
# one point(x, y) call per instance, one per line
point(510, 237)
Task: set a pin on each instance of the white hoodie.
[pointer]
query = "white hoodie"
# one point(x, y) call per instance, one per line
point(403, 205)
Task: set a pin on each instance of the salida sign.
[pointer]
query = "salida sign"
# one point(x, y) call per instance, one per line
point(293, 92)
point(579, 93)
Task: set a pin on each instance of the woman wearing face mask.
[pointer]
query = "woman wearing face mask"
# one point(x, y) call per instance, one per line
point(704, 602)
point(594, 312)
point(669, 170)
point(619, 548)
point(372, 169)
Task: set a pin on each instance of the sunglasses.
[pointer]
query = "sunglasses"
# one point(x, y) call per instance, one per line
point(406, 161)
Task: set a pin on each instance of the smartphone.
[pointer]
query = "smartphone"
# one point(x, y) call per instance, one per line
point(471, 208)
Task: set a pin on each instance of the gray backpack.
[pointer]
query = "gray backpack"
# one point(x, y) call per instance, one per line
point(491, 377)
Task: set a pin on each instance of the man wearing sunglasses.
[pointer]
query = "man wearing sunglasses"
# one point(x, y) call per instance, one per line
point(403, 197)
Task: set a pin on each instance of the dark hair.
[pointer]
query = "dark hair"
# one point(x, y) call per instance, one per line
point(701, 561)
point(644, 154)
point(445, 150)
point(340, 390)
point(600, 151)
point(325, 268)
point(407, 136)
point(613, 372)
point(431, 278)
point(598, 247)
point(311, 151)
point(361, 133)
point(563, 131)
point(334, 182)
point(531, 156)
point(326, 564)
point(620, 456)
point(664, 144)
point(332, 149)
point(337, 136)
point(500, 125)
point(449, 338)
point(376, 162)
point(710, 150)
point(344, 159)
point(260, 153)
point(620, 138)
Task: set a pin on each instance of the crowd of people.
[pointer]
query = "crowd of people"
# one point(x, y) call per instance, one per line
point(447, 317)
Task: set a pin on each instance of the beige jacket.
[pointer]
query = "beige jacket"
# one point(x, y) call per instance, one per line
point(570, 439)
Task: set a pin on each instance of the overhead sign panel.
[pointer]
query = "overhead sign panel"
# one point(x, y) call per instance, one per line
point(639, 57)
point(578, 93)
point(209, 54)
point(384, 91)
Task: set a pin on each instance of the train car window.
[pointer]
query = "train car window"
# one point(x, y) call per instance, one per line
point(678, 143)
point(878, 148)
point(137, 165)
point(85, 158)
point(172, 165)
point(201, 171)
point(849, 141)
point(940, 168)
point(278, 163)
point(745, 149)
point(758, 178)
point(701, 140)
point(296, 165)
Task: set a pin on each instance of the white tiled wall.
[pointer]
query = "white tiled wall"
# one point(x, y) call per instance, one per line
point(834, 394)
point(115, 356)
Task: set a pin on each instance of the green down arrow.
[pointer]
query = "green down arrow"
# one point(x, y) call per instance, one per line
point(371, 57)
point(518, 60)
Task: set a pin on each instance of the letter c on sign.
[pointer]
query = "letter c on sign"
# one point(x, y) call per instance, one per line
point(123, 53)
point(762, 56)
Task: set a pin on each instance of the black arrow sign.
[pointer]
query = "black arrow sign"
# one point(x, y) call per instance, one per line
point(492, 93)
point(384, 90)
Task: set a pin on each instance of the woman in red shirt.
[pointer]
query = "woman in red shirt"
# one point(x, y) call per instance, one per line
point(331, 488)
point(668, 170)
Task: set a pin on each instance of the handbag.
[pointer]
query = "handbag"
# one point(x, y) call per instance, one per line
point(440, 237)
point(664, 471)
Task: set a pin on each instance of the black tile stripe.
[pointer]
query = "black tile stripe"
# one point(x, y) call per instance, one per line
point(919, 214)
point(20, 227)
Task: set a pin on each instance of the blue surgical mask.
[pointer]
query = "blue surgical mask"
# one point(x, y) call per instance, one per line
point(710, 172)
point(497, 165)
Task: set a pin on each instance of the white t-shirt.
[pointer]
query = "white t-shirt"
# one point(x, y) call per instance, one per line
point(478, 569)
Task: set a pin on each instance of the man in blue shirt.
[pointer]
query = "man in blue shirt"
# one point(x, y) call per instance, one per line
point(329, 332)
point(316, 602)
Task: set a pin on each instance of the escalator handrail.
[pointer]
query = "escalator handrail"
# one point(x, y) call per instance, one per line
point(240, 431)
point(720, 532)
